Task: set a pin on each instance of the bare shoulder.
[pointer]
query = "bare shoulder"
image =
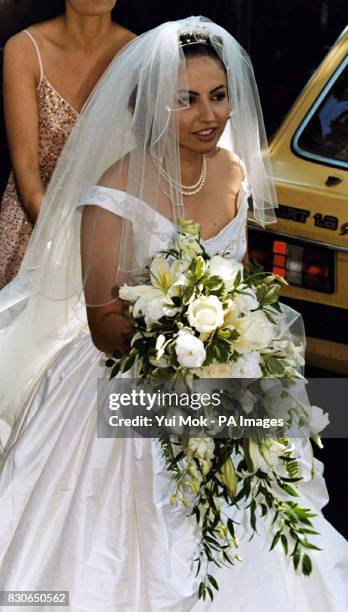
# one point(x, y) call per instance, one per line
point(20, 55)
point(20, 43)
point(123, 33)
point(17, 45)
point(233, 163)
point(228, 167)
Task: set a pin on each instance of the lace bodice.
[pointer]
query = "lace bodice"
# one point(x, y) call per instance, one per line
point(231, 239)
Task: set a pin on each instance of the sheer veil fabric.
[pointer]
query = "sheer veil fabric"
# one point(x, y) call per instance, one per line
point(92, 515)
point(131, 114)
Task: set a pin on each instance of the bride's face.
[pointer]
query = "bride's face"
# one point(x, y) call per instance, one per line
point(203, 121)
point(91, 8)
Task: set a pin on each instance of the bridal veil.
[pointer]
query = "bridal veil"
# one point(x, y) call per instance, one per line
point(130, 117)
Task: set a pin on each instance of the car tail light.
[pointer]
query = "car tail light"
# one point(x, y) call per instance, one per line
point(301, 264)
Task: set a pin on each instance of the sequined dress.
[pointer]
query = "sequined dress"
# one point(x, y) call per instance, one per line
point(56, 118)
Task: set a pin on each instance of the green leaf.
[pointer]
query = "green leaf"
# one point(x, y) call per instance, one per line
point(197, 513)
point(237, 279)
point(306, 565)
point(201, 590)
point(247, 485)
point(263, 509)
point(296, 559)
point(276, 306)
point(213, 282)
point(307, 544)
point(228, 333)
point(218, 349)
point(130, 360)
point(199, 267)
point(208, 553)
point(210, 593)
point(115, 370)
point(275, 540)
point(212, 542)
point(274, 366)
point(284, 543)
point(227, 558)
point(213, 582)
point(269, 499)
point(187, 295)
point(304, 512)
point(310, 531)
point(288, 489)
point(230, 527)
point(253, 515)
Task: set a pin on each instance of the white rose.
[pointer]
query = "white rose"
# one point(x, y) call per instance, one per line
point(131, 293)
point(256, 332)
point(153, 311)
point(227, 269)
point(319, 420)
point(206, 313)
point(245, 302)
point(189, 350)
point(215, 370)
point(246, 366)
point(151, 307)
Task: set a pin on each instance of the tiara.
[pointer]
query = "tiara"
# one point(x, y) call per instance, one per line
point(194, 36)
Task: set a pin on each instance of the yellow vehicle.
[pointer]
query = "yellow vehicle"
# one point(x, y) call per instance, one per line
point(309, 244)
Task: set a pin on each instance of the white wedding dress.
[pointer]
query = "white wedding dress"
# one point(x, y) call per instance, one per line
point(92, 516)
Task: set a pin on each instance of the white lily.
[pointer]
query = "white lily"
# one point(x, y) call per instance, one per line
point(162, 274)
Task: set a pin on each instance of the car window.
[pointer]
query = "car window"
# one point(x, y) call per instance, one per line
point(323, 135)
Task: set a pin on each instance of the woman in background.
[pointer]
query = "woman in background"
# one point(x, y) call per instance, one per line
point(92, 515)
point(49, 72)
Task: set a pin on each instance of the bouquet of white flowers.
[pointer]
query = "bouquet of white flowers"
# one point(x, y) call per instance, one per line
point(195, 317)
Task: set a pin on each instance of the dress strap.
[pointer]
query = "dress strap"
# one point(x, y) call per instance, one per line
point(112, 200)
point(37, 51)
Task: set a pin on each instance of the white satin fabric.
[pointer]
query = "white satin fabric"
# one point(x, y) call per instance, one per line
point(92, 516)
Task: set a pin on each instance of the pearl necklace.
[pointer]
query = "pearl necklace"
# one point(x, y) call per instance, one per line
point(186, 190)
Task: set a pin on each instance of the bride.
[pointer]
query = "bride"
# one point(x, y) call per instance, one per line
point(174, 129)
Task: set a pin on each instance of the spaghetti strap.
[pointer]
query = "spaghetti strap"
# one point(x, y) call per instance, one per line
point(37, 51)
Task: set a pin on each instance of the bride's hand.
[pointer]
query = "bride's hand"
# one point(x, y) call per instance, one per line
point(124, 327)
point(110, 326)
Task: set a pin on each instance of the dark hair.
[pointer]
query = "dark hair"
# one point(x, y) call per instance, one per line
point(199, 45)
point(192, 45)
